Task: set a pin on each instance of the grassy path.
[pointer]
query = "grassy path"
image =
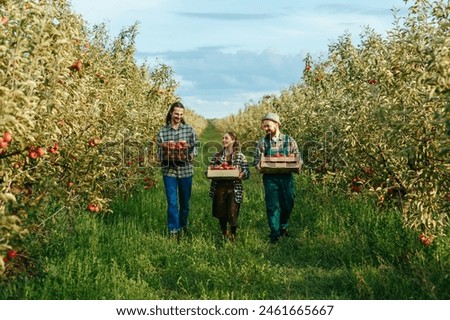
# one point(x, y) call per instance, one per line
point(339, 249)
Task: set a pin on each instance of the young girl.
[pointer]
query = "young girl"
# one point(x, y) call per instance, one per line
point(227, 195)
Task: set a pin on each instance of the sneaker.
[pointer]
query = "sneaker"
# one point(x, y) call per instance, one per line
point(175, 235)
point(284, 233)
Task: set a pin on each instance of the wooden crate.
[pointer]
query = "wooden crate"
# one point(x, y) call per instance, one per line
point(280, 164)
point(175, 151)
point(175, 154)
point(223, 174)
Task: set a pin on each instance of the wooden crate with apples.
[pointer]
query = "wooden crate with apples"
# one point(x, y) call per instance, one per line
point(223, 172)
point(175, 151)
point(280, 164)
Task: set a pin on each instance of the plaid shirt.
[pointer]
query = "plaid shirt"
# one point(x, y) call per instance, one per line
point(237, 159)
point(184, 132)
point(276, 146)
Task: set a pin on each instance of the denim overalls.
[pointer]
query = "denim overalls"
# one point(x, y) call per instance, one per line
point(279, 193)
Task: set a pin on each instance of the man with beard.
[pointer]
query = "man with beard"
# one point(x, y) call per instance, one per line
point(278, 187)
point(177, 173)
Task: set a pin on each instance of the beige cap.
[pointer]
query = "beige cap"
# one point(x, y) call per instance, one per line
point(273, 117)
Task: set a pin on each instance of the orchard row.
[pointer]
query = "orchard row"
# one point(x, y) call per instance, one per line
point(376, 116)
point(68, 94)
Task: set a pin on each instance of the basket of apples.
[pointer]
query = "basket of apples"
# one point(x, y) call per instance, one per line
point(223, 171)
point(177, 151)
point(280, 163)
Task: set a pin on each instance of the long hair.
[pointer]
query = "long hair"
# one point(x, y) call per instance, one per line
point(236, 146)
point(172, 107)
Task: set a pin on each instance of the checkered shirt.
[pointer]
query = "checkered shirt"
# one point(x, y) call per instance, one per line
point(276, 145)
point(237, 159)
point(184, 132)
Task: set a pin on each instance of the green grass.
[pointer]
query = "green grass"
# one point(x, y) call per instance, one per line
point(339, 248)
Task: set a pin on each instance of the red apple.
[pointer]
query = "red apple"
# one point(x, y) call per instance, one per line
point(7, 137)
point(92, 207)
point(11, 254)
point(76, 66)
point(33, 154)
point(54, 149)
point(93, 142)
point(40, 151)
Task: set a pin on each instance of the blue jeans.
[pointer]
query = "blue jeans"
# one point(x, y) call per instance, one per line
point(178, 194)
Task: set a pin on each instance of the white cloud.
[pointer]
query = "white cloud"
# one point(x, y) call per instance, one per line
point(216, 108)
point(226, 53)
point(216, 82)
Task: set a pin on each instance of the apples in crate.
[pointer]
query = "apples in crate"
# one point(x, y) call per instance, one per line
point(222, 171)
point(177, 151)
point(280, 163)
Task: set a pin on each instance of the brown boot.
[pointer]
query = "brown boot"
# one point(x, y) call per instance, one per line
point(233, 234)
point(225, 235)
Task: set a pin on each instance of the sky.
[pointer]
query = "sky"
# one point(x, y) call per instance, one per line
point(230, 53)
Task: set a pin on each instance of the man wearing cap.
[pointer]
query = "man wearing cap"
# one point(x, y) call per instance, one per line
point(278, 187)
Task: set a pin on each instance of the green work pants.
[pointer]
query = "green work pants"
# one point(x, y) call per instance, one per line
point(279, 197)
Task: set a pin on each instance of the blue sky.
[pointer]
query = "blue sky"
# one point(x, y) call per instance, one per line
point(228, 53)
